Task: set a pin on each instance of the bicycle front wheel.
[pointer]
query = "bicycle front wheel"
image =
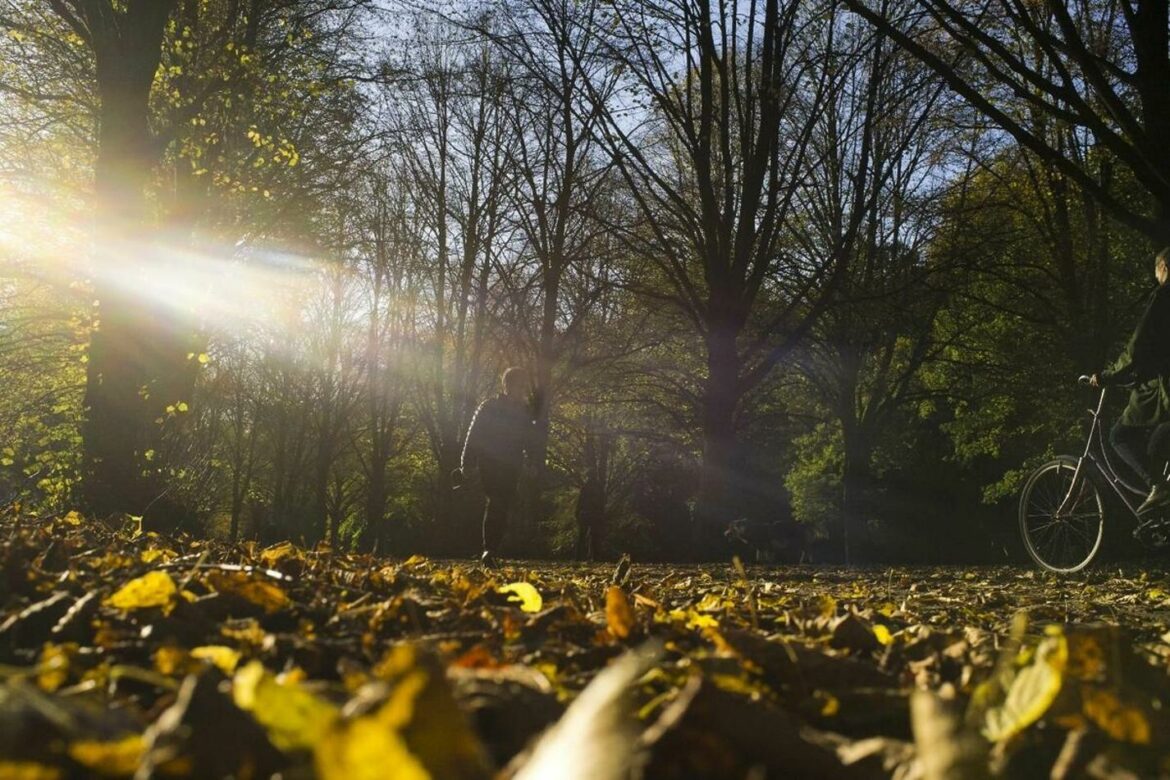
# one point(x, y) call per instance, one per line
point(1066, 541)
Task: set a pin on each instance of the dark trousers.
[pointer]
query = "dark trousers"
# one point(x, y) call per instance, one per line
point(499, 488)
point(1159, 448)
point(1130, 442)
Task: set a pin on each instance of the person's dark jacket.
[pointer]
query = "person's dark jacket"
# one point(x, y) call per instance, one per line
point(500, 433)
point(1145, 361)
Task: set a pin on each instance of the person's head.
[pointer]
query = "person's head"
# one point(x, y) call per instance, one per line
point(1162, 265)
point(514, 380)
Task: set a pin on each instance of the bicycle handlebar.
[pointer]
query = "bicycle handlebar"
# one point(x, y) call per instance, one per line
point(1083, 379)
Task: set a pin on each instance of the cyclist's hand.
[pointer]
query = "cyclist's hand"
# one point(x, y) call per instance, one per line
point(1094, 381)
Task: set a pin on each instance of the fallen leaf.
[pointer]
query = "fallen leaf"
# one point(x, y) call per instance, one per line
point(619, 618)
point(252, 588)
point(114, 758)
point(293, 717)
point(524, 594)
point(1032, 691)
point(154, 589)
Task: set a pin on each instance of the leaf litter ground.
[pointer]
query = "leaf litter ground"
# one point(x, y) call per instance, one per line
point(128, 654)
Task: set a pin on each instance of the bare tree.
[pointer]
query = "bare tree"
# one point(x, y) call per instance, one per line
point(882, 144)
point(1097, 65)
point(452, 132)
point(712, 135)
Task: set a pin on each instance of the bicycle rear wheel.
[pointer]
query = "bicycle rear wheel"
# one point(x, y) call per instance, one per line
point(1061, 542)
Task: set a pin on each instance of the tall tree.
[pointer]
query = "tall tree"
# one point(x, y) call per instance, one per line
point(137, 362)
point(881, 146)
point(712, 136)
point(452, 130)
point(159, 72)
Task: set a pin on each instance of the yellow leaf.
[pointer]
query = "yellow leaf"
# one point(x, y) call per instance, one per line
point(53, 667)
point(120, 758)
point(259, 591)
point(171, 660)
point(696, 620)
point(830, 704)
point(883, 634)
point(294, 718)
point(155, 589)
point(372, 747)
point(273, 555)
point(619, 618)
point(1120, 721)
point(1031, 693)
point(736, 683)
point(524, 594)
point(154, 554)
point(395, 662)
point(28, 770)
point(73, 517)
point(224, 657)
point(246, 631)
point(415, 560)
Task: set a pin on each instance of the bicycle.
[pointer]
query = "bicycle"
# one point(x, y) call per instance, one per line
point(1062, 511)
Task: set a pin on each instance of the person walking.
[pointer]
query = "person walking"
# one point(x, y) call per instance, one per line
point(499, 437)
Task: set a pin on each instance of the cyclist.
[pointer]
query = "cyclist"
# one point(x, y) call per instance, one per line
point(1145, 362)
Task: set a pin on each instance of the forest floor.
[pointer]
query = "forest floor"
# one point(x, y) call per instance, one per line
point(129, 654)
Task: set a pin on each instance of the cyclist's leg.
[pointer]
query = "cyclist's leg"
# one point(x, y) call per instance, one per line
point(1129, 441)
point(1158, 450)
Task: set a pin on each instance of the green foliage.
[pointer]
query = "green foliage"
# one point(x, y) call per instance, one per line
point(814, 483)
point(42, 341)
point(1033, 309)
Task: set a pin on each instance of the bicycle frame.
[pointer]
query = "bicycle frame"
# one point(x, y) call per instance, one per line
point(1131, 496)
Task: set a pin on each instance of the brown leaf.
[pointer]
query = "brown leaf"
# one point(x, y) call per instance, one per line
point(619, 618)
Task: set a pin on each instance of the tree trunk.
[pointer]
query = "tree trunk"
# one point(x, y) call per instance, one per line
point(854, 485)
point(375, 535)
point(714, 509)
point(137, 359)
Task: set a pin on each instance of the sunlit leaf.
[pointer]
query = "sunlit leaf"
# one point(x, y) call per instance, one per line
point(109, 759)
point(696, 620)
point(619, 618)
point(524, 594)
point(270, 556)
point(155, 589)
point(1032, 691)
point(372, 746)
point(258, 590)
point(713, 603)
point(293, 717)
point(171, 660)
point(223, 657)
